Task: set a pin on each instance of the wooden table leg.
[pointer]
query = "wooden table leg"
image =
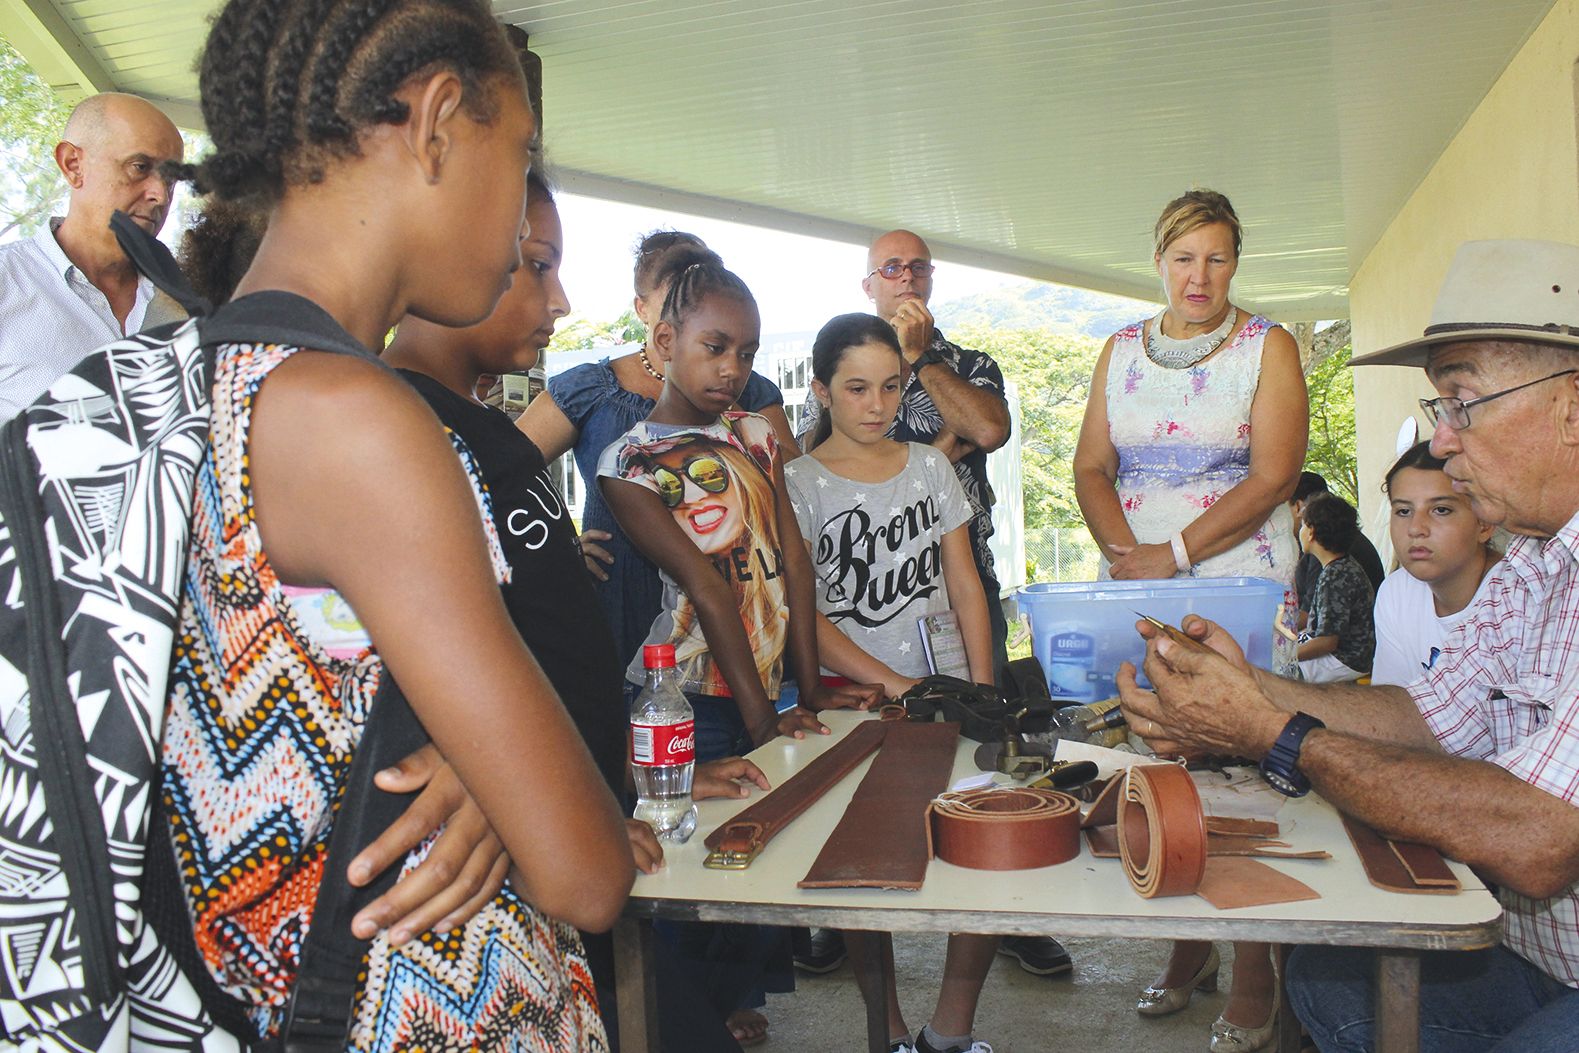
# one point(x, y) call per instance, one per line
point(636, 985)
point(1288, 1030)
point(874, 968)
point(1397, 1001)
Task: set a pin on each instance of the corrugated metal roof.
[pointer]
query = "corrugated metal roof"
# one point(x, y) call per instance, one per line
point(1030, 136)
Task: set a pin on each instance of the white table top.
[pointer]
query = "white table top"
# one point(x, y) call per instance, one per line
point(1083, 897)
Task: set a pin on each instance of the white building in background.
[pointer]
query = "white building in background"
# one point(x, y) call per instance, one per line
point(785, 359)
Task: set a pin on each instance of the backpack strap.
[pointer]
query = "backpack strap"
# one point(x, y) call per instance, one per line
point(153, 260)
point(319, 1015)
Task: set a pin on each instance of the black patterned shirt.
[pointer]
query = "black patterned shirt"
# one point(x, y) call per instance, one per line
point(1343, 608)
point(919, 421)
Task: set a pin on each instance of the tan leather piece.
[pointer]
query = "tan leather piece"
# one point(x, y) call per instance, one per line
point(1228, 826)
point(1103, 843)
point(1005, 828)
point(1233, 881)
point(755, 825)
point(1384, 862)
point(881, 842)
point(1161, 831)
point(1225, 836)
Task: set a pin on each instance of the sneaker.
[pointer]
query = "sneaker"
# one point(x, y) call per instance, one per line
point(923, 1046)
point(1039, 955)
point(902, 1045)
point(822, 953)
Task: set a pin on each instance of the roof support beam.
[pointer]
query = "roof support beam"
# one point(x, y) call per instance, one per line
point(39, 32)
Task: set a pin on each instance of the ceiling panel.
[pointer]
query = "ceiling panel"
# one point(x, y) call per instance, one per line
point(1032, 136)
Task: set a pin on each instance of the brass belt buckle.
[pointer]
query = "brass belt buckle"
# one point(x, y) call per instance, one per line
point(725, 859)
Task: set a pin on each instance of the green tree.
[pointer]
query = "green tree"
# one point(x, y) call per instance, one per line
point(32, 119)
point(1052, 371)
point(1332, 439)
point(579, 333)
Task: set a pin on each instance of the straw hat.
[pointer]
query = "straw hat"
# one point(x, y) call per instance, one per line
point(1499, 290)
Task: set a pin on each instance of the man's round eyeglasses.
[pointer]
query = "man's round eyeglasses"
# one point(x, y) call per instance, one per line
point(1455, 412)
point(894, 268)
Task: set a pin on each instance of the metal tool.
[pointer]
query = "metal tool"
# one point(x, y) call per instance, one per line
point(1177, 635)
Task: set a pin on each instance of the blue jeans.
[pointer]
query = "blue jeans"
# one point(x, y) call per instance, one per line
point(1489, 1001)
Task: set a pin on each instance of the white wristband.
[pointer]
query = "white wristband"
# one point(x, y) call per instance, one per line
point(1181, 555)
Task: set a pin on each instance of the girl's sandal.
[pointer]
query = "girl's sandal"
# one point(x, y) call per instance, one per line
point(749, 1027)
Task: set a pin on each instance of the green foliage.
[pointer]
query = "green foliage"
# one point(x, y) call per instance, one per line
point(1052, 371)
point(31, 121)
point(1332, 444)
point(578, 333)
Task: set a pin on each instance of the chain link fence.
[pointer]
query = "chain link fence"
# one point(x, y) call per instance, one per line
point(1060, 554)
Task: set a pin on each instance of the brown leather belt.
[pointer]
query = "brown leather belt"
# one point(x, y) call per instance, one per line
point(1005, 829)
point(1161, 830)
point(737, 842)
point(881, 841)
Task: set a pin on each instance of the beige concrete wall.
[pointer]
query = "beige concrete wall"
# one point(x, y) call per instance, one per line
point(1511, 172)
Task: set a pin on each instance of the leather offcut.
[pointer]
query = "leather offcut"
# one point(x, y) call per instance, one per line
point(881, 841)
point(1005, 828)
point(1400, 866)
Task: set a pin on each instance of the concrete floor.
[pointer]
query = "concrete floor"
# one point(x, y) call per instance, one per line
point(1092, 1009)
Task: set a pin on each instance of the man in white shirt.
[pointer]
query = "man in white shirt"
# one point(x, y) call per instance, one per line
point(70, 288)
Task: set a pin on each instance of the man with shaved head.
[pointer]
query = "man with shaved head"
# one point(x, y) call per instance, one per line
point(952, 397)
point(70, 288)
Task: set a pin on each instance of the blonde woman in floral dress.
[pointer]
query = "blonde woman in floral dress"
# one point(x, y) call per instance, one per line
point(1194, 434)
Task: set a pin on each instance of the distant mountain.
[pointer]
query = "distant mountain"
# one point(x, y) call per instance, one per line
point(1037, 305)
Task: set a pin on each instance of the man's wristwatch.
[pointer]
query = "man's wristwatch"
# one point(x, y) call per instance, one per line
point(931, 356)
point(1281, 764)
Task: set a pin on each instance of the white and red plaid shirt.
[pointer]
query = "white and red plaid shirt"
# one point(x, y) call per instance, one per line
point(1506, 690)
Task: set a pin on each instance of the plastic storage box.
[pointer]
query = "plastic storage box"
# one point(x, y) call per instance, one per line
point(1082, 630)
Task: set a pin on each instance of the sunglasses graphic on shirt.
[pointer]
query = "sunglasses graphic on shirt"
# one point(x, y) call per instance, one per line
point(706, 471)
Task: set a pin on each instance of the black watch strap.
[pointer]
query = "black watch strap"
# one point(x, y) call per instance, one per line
point(1281, 764)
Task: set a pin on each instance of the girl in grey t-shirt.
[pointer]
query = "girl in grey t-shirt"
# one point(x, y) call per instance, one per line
point(888, 527)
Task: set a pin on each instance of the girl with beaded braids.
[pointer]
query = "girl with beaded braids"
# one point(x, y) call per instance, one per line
point(699, 488)
point(338, 540)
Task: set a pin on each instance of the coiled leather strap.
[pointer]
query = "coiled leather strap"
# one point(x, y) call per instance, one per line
point(1161, 831)
point(1005, 829)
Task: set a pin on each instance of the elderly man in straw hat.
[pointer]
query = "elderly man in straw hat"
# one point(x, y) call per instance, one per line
point(1480, 756)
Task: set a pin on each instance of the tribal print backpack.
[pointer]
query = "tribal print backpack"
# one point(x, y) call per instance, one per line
point(96, 491)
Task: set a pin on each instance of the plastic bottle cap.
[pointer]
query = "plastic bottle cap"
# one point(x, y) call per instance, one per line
point(658, 656)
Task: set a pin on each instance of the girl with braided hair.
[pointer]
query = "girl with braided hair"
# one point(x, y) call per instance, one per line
point(699, 488)
point(339, 542)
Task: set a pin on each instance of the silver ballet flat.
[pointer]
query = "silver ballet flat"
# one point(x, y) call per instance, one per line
point(1161, 1001)
point(1231, 1038)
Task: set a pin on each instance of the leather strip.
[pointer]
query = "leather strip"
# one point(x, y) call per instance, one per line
point(1230, 883)
point(1386, 867)
point(881, 842)
point(1225, 835)
point(1005, 828)
point(753, 827)
point(1161, 830)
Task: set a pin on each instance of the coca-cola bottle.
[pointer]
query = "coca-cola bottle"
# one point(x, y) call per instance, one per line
point(663, 749)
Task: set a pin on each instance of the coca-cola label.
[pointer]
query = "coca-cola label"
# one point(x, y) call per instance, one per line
point(655, 745)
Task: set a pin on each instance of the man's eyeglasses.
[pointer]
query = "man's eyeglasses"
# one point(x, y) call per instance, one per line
point(1455, 412)
point(894, 268)
point(705, 471)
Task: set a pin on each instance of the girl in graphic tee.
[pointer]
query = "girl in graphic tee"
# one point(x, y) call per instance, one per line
point(888, 527)
point(1445, 558)
point(883, 520)
point(698, 487)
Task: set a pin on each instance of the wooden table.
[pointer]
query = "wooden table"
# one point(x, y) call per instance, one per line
point(1083, 897)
